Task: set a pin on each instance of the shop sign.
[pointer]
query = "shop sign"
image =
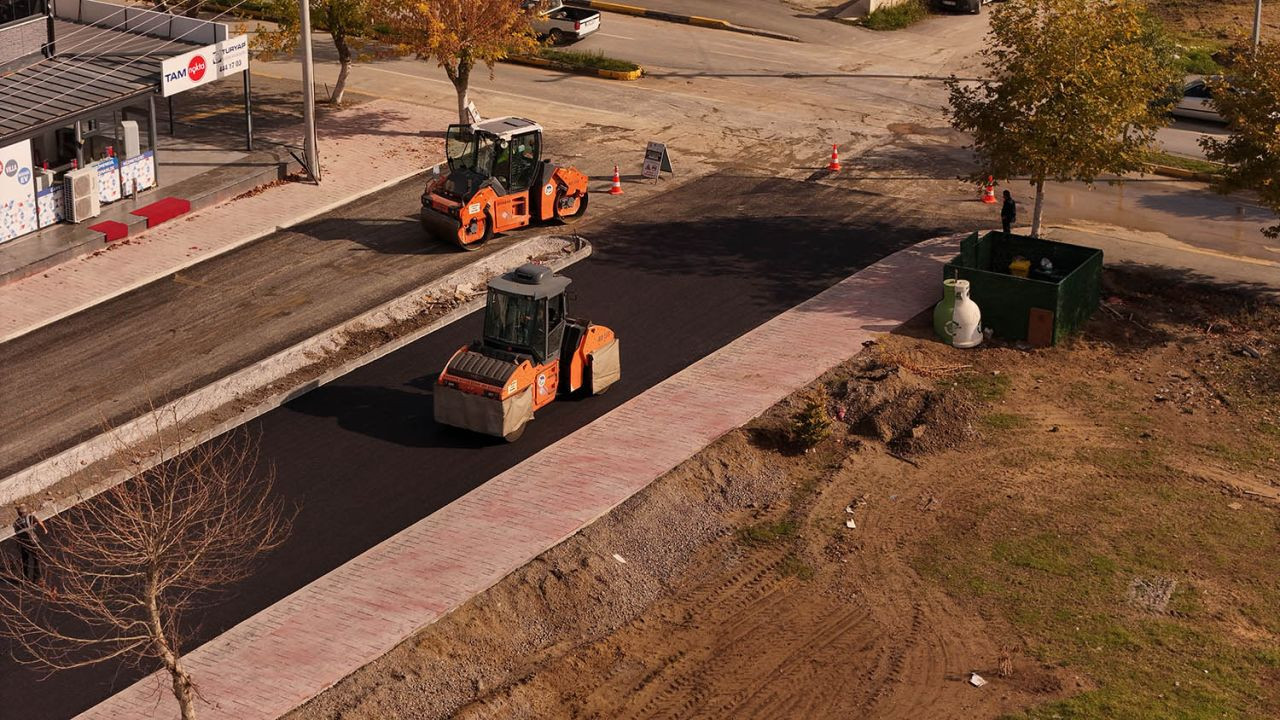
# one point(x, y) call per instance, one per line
point(17, 192)
point(199, 67)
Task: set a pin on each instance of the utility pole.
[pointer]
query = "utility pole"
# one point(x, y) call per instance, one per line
point(1257, 26)
point(308, 94)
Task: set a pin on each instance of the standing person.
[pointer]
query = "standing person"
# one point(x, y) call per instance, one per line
point(1008, 213)
point(24, 531)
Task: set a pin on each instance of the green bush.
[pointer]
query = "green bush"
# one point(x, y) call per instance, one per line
point(1198, 61)
point(595, 60)
point(896, 17)
point(812, 423)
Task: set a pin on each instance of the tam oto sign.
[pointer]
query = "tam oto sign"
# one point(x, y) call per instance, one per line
point(211, 62)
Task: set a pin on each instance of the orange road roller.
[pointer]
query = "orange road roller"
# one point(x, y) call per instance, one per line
point(531, 353)
point(497, 181)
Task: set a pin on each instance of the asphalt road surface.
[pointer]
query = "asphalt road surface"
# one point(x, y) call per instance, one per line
point(676, 277)
point(110, 362)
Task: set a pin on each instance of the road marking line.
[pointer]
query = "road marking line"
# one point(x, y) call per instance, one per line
point(618, 37)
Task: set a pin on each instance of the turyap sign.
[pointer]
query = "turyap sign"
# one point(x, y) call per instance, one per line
point(209, 63)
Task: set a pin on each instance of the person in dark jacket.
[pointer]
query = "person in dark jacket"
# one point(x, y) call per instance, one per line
point(24, 531)
point(1008, 213)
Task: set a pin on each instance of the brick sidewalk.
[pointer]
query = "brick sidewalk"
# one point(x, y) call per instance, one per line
point(362, 148)
point(292, 651)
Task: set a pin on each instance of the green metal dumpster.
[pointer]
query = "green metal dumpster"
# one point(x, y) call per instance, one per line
point(1063, 292)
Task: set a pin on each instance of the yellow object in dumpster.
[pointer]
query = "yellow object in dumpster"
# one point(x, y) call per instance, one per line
point(1020, 267)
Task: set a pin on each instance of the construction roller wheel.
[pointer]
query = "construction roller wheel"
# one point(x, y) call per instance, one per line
point(475, 233)
point(570, 208)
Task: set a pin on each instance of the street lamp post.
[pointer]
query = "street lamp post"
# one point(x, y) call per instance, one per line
point(308, 94)
point(1257, 26)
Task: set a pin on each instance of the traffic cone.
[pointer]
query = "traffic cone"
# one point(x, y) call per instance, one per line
point(834, 165)
point(617, 182)
point(989, 192)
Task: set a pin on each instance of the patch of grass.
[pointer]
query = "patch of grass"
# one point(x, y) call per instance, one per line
point(1061, 579)
point(984, 386)
point(1183, 163)
point(769, 532)
point(1128, 461)
point(592, 60)
point(1045, 553)
point(1005, 421)
point(1250, 456)
point(1198, 61)
point(793, 566)
point(896, 17)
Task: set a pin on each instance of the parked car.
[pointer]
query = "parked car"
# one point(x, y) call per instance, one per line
point(562, 24)
point(970, 6)
point(1196, 102)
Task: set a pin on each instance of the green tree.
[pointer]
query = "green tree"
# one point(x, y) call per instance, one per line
point(349, 22)
point(1249, 100)
point(1075, 89)
point(458, 34)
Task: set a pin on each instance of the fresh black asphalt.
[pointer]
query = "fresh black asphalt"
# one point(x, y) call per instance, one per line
point(676, 276)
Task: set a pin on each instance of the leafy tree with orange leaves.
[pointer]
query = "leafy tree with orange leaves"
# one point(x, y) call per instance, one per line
point(458, 34)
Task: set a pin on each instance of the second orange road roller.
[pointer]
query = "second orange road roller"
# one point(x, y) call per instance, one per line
point(531, 353)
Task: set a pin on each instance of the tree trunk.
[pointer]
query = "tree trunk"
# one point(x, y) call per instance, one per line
point(461, 80)
point(183, 688)
point(344, 68)
point(1035, 217)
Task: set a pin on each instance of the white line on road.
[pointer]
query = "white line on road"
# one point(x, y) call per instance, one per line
point(618, 37)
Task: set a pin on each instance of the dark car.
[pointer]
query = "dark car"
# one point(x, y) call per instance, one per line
point(970, 6)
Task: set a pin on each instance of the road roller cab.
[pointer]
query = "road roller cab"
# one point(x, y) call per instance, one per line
point(531, 352)
point(497, 181)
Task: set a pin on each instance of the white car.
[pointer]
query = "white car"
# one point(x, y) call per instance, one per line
point(552, 19)
point(1196, 102)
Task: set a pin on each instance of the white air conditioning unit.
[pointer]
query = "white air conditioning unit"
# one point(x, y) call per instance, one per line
point(80, 195)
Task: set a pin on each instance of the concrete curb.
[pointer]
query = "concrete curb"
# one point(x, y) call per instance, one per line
point(713, 23)
point(267, 373)
point(1180, 173)
point(147, 280)
point(566, 67)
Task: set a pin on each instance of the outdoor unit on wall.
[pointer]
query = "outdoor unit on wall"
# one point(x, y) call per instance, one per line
point(80, 194)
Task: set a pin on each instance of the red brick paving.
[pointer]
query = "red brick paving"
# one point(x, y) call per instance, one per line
point(292, 651)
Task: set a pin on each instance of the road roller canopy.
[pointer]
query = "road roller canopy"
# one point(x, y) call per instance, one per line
point(525, 312)
point(500, 148)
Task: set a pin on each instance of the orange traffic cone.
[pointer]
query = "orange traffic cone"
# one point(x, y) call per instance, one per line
point(989, 192)
point(834, 165)
point(617, 182)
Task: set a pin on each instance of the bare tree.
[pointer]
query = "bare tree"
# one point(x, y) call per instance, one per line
point(125, 567)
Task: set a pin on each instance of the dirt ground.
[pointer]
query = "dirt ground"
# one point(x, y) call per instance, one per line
point(1090, 528)
point(1217, 21)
